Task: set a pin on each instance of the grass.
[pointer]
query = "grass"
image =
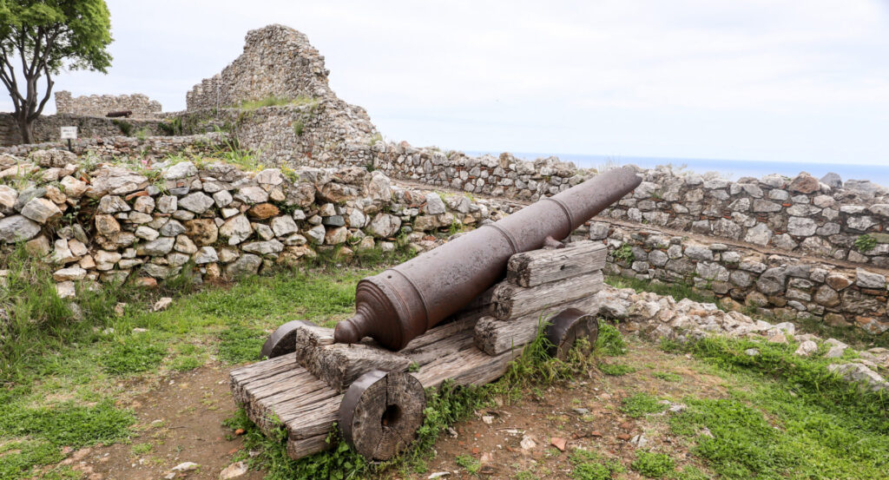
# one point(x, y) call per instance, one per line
point(590, 466)
point(642, 404)
point(676, 290)
point(787, 417)
point(653, 465)
point(615, 369)
point(471, 465)
point(62, 374)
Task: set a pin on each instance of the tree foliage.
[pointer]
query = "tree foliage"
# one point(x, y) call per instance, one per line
point(39, 38)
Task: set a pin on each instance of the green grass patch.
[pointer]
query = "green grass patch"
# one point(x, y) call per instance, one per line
point(468, 463)
point(667, 376)
point(615, 369)
point(588, 465)
point(610, 342)
point(788, 417)
point(240, 344)
point(676, 290)
point(642, 404)
point(653, 465)
point(135, 354)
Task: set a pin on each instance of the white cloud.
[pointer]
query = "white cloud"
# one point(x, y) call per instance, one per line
point(769, 80)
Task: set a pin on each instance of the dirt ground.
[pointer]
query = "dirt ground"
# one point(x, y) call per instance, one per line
point(182, 421)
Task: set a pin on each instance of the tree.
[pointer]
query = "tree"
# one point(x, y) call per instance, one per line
point(43, 37)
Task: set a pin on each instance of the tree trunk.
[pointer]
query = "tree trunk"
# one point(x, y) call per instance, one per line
point(25, 128)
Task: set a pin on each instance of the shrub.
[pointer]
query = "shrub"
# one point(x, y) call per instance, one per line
point(865, 243)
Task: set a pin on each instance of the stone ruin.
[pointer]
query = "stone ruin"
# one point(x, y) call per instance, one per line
point(101, 105)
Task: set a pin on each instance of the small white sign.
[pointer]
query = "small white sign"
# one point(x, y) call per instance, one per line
point(69, 133)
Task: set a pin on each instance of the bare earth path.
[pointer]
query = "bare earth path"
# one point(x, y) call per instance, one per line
point(181, 420)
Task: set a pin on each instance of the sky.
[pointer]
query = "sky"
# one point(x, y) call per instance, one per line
point(767, 80)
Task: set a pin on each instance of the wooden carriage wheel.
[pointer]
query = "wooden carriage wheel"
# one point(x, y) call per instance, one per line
point(283, 340)
point(568, 326)
point(381, 413)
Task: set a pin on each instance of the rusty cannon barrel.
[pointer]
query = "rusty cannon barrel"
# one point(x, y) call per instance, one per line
point(403, 302)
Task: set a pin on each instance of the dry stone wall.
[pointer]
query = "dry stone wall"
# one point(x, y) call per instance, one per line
point(101, 105)
point(781, 286)
point(801, 215)
point(114, 222)
point(47, 128)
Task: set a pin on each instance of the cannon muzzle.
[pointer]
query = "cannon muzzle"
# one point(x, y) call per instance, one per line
point(403, 302)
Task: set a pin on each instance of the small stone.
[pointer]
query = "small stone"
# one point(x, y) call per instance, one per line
point(69, 274)
point(263, 211)
point(867, 279)
point(167, 204)
point(41, 210)
point(187, 466)
point(806, 349)
point(113, 204)
point(162, 304)
point(17, 228)
point(283, 226)
point(234, 470)
point(236, 229)
point(804, 183)
point(197, 202)
point(559, 443)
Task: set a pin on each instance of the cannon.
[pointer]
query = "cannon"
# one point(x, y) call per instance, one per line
point(118, 114)
point(401, 303)
point(459, 313)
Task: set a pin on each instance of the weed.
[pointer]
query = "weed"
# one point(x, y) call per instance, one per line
point(141, 448)
point(676, 290)
point(624, 254)
point(667, 376)
point(126, 128)
point(615, 369)
point(610, 342)
point(588, 466)
point(298, 127)
point(865, 243)
point(375, 139)
point(642, 404)
point(171, 127)
point(471, 465)
point(653, 465)
point(142, 133)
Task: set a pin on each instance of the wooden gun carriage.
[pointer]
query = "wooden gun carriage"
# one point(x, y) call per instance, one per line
point(376, 396)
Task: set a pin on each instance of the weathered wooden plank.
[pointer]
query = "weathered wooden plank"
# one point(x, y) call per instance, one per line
point(439, 333)
point(513, 302)
point(429, 353)
point(467, 367)
point(340, 364)
point(529, 269)
point(495, 337)
point(308, 338)
point(297, 449)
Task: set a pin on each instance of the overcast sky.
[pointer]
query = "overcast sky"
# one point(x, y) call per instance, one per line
point(760, 80)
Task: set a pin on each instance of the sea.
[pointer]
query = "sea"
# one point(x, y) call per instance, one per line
point(728, 169)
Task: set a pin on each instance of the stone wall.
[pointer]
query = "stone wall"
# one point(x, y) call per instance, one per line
point(801, 215)
point(782, 286)
point(277, 62)
point(145, 221)
point(119, 148)
point(47, 128)
point(101, 105)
